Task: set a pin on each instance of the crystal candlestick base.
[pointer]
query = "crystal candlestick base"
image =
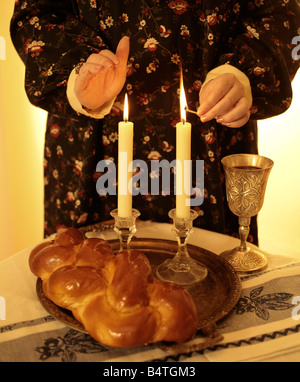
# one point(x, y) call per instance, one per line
point(182, 269)
point(125, 227)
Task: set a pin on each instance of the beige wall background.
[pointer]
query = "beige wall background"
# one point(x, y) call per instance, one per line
point(22, 129)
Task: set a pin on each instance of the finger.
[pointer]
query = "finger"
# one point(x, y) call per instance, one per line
point(235, 113)
point(122, 54)
point(215, 90)
point(110, 56)
point(91, 68)
point(226, 104)
point(240, 122)
point(211, 96)
point(106, 60)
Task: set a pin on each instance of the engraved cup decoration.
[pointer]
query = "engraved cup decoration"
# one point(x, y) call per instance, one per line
point(245, 190)
point(246, 180)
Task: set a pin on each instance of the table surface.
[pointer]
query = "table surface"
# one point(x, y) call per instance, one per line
point(264, 325)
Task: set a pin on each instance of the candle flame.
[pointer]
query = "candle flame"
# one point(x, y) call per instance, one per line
point(183, 103)
point(125, 113)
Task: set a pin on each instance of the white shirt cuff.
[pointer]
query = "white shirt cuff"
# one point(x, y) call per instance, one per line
point(76, 105)
point(227, 68)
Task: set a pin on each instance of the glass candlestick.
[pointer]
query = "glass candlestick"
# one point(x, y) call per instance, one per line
point(125, 227)
point(182, 269)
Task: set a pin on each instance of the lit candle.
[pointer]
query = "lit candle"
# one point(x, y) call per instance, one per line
point(183, 154)
point(125, 137)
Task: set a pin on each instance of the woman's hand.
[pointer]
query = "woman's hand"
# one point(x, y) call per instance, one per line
point(102, 76)
point(224, 98)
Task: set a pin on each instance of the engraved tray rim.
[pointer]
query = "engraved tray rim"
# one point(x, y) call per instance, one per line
point(168, 248)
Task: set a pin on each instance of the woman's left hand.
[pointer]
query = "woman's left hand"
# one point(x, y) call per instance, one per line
point(224, 99)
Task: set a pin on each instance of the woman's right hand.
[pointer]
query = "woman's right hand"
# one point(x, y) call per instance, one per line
point(102, 76)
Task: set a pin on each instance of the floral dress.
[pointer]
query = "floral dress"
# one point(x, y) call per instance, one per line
point(166, 37)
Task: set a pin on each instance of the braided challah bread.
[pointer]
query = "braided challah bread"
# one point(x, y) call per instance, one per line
point(115, 297)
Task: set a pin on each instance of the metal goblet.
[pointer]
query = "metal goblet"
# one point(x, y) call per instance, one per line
point(246, 177)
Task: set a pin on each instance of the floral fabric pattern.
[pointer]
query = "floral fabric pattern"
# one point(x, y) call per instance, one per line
point(166, 37)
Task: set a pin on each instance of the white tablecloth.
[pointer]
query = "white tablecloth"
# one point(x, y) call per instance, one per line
point(264, 326)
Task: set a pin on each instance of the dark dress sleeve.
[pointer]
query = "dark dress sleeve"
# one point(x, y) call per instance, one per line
point(51, 40)
point(260, 45)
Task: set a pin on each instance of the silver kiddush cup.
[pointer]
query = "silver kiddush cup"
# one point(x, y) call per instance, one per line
point(246, 177)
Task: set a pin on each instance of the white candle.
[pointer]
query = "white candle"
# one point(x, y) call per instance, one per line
point(125, 137)
point(183, 154)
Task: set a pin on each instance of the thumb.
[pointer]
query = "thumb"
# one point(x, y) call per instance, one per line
point(122, 53)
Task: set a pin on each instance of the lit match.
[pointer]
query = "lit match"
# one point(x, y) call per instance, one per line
point(190, 111)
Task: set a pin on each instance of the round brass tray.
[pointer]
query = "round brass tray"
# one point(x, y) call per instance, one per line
point(214, 297)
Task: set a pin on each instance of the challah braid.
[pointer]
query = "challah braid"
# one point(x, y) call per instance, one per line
point(115, 297)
